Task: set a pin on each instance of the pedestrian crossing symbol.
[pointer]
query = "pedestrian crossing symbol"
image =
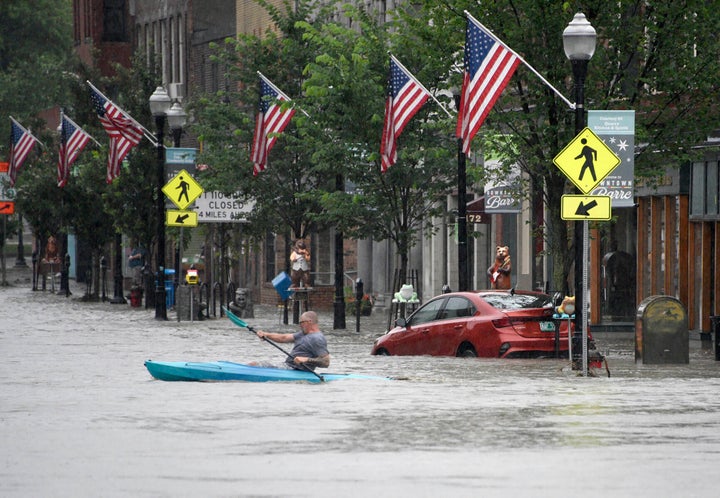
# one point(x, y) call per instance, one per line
point(182, 190)
point(586, 160)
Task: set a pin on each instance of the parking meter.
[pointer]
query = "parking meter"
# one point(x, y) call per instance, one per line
point(359, 293)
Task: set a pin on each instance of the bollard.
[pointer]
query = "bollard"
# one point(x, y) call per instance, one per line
point(715, 326)
point(103, 277)
point(65, 276)
point(359, 293)
point(35, 270)
point(149, 293)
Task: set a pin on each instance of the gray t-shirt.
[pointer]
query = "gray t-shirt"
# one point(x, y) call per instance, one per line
point(309, 345)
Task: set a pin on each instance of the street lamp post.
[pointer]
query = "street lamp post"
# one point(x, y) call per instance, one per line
point(159, 106)
point(177, 118)
point(117, 272)
point(462, 211)
point(339, 302)
point(579, 39)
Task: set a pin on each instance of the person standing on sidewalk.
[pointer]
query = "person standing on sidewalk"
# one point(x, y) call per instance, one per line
point(136, 261)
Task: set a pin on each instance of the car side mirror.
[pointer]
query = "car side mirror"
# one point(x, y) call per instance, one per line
point(401, 322)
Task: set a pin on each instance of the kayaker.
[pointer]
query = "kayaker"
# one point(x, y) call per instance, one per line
point(310, 347)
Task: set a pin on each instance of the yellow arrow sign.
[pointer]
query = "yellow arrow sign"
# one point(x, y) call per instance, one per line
point(585, 207)
point(181, 218)
point(586, 160)
point(182, 190)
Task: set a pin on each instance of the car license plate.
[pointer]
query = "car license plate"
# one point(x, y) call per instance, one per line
point(547, 326)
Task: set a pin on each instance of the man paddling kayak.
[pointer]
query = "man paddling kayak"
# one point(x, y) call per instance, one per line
point(310, 350)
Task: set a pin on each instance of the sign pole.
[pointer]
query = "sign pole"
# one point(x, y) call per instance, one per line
point(586, 257)
point(178, 274)
point(586, 161)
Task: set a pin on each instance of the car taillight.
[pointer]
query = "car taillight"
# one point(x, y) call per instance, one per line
point(502, 322)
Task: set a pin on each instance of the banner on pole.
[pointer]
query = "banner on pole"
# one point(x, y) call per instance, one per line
point(617, 130)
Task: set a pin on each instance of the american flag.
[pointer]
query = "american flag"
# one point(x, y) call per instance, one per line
point(405, 98)
point(72, 141)
point(489, 65)
point(270, 120)
point(22, 143)
point(125, 133)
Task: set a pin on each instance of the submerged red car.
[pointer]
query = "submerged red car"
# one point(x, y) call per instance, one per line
point(488, 324)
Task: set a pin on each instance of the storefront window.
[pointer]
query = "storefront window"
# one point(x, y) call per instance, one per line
point(704, 191)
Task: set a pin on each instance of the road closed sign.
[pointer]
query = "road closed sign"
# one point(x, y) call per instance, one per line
point(216, 207)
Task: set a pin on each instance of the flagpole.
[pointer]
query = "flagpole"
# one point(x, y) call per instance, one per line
point(79, 128)
point(280, 92)
point(420, 85)
point(146, 133)
point(26, 131)
point(570, 104)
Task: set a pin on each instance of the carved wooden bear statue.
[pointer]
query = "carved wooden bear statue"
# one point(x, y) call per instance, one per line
point(499, 272)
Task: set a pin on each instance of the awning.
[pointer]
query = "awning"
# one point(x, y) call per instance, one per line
point(476, 211)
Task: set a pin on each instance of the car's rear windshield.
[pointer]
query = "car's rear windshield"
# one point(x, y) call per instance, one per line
point(506, 301)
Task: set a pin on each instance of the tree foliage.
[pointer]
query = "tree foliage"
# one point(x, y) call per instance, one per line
point(335, 135)
point(35, 50)
point(39, 71)
point(657, 58)
point(35, 47)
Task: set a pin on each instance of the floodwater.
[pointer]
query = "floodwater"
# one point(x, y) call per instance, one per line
point(80, 416)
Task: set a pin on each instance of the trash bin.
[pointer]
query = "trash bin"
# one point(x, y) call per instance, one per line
point(282, 283)
point(715, 329)
point(661, 331)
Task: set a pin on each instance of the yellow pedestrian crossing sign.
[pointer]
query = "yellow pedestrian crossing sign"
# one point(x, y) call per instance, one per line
point(175, 218)
point(585, 207)
point(586, 160)
point(182, 190)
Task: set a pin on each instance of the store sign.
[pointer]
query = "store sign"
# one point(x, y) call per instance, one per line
point(499, 196)
point(501, 200)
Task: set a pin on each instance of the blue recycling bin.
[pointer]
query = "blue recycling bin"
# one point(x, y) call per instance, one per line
point(282, 283)
point(169, 287)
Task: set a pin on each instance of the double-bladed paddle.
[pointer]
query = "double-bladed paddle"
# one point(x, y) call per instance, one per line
point(241, 323)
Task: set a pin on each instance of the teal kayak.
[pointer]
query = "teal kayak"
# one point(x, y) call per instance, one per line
point(214, 371)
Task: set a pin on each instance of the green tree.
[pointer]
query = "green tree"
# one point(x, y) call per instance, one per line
point(35, 53)
point(35, 49)
point(346, 88)
point(335, 134)
point(226, 123)
point(658, 58)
